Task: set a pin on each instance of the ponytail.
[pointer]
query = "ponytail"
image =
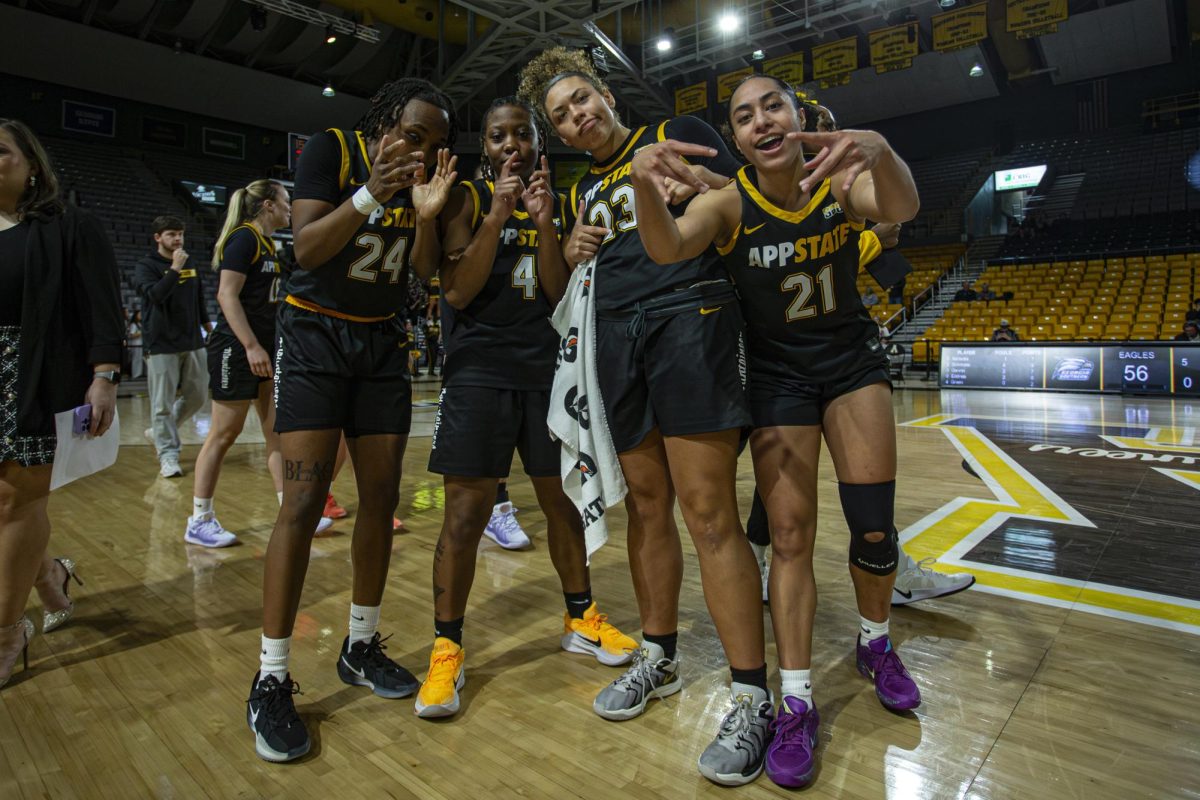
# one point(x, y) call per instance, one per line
point(245, 205)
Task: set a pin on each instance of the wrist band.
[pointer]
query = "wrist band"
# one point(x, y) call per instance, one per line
point(365, 202)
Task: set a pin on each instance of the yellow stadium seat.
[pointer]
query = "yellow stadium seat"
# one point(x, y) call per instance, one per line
point(1091, 330)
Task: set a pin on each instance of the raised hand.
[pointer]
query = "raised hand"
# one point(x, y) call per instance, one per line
point(506, 190)
point(429, 196)
point(584, 241)
point(538, 197)
point(851, 151)
point(393, 170)
point(663, 161)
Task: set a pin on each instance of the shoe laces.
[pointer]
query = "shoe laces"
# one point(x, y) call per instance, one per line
point(786, 725)
point(276, 699)
point(443, 666)
point(507, 522)
point(924, 566)
point(373, 653)
point(739, 718)
point(640, 674)
point(889, 663)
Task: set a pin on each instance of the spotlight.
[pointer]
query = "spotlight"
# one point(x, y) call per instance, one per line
point(947, 3)
point(258, 18)
point(976, 70)
point(728, 22)
point(665, 40)
point(328, 90)
point(758, 55)
point(330, 34)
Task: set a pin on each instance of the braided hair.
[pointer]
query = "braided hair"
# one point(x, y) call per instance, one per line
point(388, 104)
point(485, 164)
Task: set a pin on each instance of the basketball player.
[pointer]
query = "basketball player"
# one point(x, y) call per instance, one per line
point(503, 273)
point(788, 230)
point(669, 346)
point(364, 211)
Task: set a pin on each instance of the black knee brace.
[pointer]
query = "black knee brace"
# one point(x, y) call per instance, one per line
point(869, 508)
point(758, 529)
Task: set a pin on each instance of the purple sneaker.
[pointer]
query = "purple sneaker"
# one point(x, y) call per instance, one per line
point(893, 685)
point(791, 755)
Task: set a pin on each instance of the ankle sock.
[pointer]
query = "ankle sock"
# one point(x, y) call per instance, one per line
point(201, 506)
point(273, 658)
point(869, 631)
point(451, 630)
point(667, 641)
point(797, 683)
point(578, 602)
point(750, 677)
point(364, 621)
point(279, 497)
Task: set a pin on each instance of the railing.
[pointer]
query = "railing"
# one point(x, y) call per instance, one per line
point(1093, 255)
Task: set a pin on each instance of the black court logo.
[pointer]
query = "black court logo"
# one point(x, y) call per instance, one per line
point(576, 406)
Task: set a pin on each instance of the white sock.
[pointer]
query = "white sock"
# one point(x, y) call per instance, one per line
point(869, 631)
point(201, 506)
point(797, 683)
point(760, 552)
point(274, 657)
point(364, 620)
point(279, 497)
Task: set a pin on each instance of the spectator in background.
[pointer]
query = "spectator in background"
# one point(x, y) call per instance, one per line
point(1194, 314)
point(1005, 333)
point(985, 292)
point(133, 344)
point(173, 301)
point(1191, 332)
point(870, 298)
point(966, 292)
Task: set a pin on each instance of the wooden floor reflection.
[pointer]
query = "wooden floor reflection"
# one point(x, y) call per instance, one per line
point(142, 693)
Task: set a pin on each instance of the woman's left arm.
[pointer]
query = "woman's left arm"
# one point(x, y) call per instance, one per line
point(99, 312)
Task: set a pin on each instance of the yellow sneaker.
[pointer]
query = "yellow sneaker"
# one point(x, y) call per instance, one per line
point(439, 693)
point(593, 635)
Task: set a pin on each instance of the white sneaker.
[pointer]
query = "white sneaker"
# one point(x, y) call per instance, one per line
point(207, 532)
point(916, 581)
point(764, 569)
point(169, 467)
point(324, 524)
point(504, 529)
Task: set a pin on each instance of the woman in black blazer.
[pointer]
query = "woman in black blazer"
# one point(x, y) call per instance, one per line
point(60, 347)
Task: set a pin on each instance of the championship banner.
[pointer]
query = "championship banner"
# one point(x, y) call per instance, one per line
point(690, 99)
point(833, 62)
point(726, 82)
point(788, 68)
point(894, 48)
point(955, 30)
point(1029, 18)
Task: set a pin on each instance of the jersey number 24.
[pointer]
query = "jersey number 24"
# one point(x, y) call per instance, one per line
point(367, 266)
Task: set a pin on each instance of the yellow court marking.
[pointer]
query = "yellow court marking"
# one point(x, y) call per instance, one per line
point(950, 532)
point(1184, 476)
point(1163, 440)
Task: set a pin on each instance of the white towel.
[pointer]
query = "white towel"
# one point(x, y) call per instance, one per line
point(591, 473)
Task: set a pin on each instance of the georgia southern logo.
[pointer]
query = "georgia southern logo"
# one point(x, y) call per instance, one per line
point(1073, 369)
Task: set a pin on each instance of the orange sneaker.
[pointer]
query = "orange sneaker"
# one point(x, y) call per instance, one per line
point(439, 693)
point(398, 524)
point(593, 635)
point(333, 510)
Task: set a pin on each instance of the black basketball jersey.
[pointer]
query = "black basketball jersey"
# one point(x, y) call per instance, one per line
point(369, 276)
point(248, 251)
point(796, 272)
point(503, 338)
point(625, 275)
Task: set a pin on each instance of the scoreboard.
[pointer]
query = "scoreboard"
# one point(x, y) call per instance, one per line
point(1130, 367)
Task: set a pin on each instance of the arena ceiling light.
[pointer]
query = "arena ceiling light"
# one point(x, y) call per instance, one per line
point(330, 34)
point(328, 90)
point(976, 70)
point(728, 22)
point(758, 55)
point(947, 3)
point(665, 40)
point(314, 16)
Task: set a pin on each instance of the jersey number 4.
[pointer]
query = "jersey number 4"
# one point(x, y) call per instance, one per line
point(802, 283)
point(367, 266)
point(524, 277)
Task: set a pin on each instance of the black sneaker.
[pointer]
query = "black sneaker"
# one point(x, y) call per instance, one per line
point(364, 664)
point(279, 733)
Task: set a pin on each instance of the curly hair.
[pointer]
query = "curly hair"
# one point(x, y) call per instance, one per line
point(388, 105)
point(548, 68)
point(40, 200)
point(485, 164)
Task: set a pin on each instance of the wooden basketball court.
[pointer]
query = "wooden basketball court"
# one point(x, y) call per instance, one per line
point(1069, 671)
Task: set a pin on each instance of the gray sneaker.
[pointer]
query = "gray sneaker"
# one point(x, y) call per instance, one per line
point(626, 697)
point(736, 756)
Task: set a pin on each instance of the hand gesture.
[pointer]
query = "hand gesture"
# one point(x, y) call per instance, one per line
point(429, 197)
point(507, 189)
point(103, 396)
point(538, 197)
point(178, 259)
point(888, 233)
point(260, 361)
point(663, 161)
point(850, 151)
point(393, 170)
point(584, 241)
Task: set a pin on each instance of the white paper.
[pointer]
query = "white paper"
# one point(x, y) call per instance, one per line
point(80, 455)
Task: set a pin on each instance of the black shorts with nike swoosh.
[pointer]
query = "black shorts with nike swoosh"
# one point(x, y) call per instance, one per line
point(676, 362)
point(478, 427)
point(779, 397)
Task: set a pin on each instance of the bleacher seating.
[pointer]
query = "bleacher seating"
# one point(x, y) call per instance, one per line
point(1179, 230)
point(929, 264)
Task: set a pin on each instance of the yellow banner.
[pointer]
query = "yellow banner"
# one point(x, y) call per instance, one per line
point(958, 29)
point(894, 48)
point(690, 99)
point(1028, 18)
point(833, 62)
point(788, 68)
point(726, 82)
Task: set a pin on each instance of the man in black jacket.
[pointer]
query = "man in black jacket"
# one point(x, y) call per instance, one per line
point(172, 312)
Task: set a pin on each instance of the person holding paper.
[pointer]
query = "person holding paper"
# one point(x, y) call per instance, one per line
point(60, 347)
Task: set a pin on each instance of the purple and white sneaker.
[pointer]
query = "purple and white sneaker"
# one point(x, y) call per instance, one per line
point(893, 685)
point(207, 532)
point(792, 754)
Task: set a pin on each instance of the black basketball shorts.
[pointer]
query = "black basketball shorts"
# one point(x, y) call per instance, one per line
point(779, 398)
point(334, 373)
point(229, 375)
point(478, 427)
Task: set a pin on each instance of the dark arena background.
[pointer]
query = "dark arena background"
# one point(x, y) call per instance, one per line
point(1055, 145)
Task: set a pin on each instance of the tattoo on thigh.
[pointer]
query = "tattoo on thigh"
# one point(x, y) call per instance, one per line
point(308, 471)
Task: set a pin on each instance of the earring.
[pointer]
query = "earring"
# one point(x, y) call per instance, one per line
point(33, 180)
